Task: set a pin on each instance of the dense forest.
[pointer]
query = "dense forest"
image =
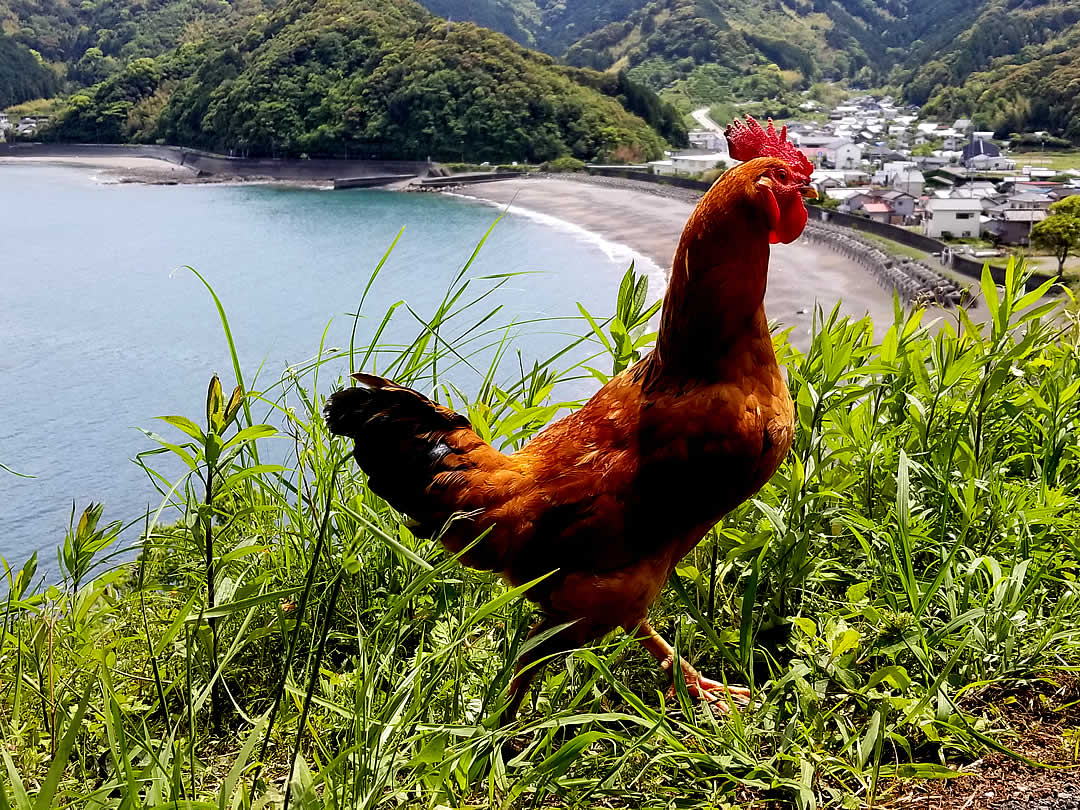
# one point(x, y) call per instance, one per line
point(22, 75)
point(368, 78)
point(1006, 63)
point(63, 31)
point(1009, 64)
point(551, 26)
point(1016, 69)
point(860, 40)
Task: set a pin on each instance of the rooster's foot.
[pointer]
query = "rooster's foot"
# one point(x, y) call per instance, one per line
point(716, 694)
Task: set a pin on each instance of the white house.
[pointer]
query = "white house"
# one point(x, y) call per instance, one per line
point(693, 163)
point(952, 141)
point(909, 181)
point(708, 139)
point(845, 154)
point(1037, 173)
point(957, 218)
point(839, 153)
point(984, 155)
point(988, 163)
point(845, 194)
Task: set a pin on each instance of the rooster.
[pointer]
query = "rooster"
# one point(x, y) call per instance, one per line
point(612, 496)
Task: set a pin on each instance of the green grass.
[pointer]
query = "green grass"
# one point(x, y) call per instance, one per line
point(917, 546)
point(1059, 161)
point(896, 248)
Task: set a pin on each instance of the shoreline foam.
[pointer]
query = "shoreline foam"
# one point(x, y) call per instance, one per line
point(615, 251)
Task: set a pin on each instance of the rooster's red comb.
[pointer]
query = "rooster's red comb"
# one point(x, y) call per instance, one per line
point(748, 141)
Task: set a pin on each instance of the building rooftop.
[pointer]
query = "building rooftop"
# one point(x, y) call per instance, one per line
point(980, 148)
point(1020, 214)
point(954, 204)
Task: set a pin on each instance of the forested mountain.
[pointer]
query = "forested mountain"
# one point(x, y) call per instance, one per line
point(22, 76)
point(834, 39)
point(1016, 68)
point(551, 26)
point(363, 78)
point(66, 32)
point(1008, 63)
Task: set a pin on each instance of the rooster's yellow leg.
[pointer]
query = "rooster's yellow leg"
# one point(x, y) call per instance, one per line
point(697, 685)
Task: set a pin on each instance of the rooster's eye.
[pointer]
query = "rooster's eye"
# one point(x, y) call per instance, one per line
point(782, 175)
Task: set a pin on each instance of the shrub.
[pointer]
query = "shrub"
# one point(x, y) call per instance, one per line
point(563, 164)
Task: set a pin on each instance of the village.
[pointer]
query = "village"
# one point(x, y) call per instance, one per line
point(878, 160)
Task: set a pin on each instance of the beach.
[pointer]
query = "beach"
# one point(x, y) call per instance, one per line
point(116, 169)
point(642, 220)
point(800, 275)
point(147, 170)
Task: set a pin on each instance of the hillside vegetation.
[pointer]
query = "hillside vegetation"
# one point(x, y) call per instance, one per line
point(831, 39)
point(547, 25)
point(1007, 63)
point(890, 596)
point(1016, 69)
point(22, 75)
point(366, 78)
point(63, 31)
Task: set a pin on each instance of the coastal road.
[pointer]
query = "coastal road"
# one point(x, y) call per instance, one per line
point(800, 276)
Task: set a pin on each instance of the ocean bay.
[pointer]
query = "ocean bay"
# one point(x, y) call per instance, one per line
point(102, 331)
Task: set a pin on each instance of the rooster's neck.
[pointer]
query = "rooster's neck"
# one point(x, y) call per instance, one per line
point(713, 314)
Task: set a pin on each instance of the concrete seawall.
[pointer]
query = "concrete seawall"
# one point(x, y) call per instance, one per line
point(209, 163)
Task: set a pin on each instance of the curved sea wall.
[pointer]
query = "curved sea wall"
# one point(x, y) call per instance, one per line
point(210, 163)
point(913, 281)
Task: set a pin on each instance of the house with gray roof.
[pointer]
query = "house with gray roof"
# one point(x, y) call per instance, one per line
point(953, 218)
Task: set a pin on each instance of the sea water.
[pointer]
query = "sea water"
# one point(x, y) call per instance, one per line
point(101, 330)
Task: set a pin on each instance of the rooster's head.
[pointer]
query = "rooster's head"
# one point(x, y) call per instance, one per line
point(778, 174)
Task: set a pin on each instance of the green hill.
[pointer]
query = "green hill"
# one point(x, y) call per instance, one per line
point(22, 76)
point(1008, 63)
point(551, 26)
point(1016, 68)
point(64, 31)
point(367, 77)
point(725, 50)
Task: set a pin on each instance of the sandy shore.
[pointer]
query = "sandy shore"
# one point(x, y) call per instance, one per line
point(149, 171)
point(800, 275)
point(116, 169)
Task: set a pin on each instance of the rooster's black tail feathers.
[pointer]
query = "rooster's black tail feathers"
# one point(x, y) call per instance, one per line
point(401, 443)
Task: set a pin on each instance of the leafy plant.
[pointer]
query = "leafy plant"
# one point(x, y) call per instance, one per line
point(917, 545)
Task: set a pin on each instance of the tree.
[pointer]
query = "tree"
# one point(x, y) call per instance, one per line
point(1059, 233)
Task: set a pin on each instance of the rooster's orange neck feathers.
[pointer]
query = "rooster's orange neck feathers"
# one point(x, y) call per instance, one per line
point(715, 297)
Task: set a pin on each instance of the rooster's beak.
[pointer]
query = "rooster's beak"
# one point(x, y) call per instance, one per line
point(809, 192)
